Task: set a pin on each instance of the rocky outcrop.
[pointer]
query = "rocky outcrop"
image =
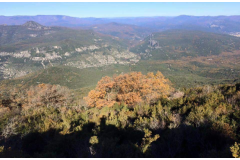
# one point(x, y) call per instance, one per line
point(42, 57)
point(92, 47)
point(21, 54)
point(9, 72)
point(153, 43)
point(99, 60)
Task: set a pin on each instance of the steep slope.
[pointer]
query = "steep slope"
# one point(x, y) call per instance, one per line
point(174, 44)
point(211, 56)
point(187, 58)
point(72, 77)
point(60, 46)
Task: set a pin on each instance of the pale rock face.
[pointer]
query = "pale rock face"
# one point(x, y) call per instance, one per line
point(37, 50)
point(45, 57)
point(78, 49)
point(78, 64)
point(236, 34)
point(37, 58)
point(22, 54)
point(67, 54)
point(126, 55)
point(26, 61)
point(2, 54)
point(97, 59)
point(52, 56)
point(12, 72)
point(96, 40)
point(48, 56)
point(56, 47)
point(92, 47)
point(111, 60)
point(100, 59)
point(33, 35)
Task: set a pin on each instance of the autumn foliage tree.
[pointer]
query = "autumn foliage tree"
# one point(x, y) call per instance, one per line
point(46, 94)
point(130, 89)
point(12, 99)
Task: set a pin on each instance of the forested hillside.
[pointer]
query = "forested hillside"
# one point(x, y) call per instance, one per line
point(175, 44)
point(124, 31)
point(160, 121)
point(187, 58)
point(122, 87)
point(31, 47)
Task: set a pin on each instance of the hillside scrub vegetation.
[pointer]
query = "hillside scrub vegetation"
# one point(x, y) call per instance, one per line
point(46, 121)
point(40, 95)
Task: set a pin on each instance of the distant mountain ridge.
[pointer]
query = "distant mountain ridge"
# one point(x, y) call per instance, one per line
point(30, 29)
point(125, 31)
point(223, 24)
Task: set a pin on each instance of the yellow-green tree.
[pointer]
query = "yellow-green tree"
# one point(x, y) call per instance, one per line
point(235, 150)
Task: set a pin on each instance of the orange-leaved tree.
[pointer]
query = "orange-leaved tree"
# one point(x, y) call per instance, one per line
point(130, 89)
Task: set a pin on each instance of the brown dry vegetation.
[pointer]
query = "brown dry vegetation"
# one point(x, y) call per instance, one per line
point(225, 59)
point(35, 96)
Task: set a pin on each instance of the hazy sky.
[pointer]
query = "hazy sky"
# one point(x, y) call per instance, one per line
point(97, 9)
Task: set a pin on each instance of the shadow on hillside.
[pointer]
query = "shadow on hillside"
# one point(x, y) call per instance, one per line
point(192, 142)
point(112, 142)
point(184, 141)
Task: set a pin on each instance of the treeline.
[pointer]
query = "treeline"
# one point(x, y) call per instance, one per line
point(158, 121)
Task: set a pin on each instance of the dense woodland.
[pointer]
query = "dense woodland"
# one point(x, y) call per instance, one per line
point(127, 115)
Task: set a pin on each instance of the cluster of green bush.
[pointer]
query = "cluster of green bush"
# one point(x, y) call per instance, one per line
point(203, 122)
